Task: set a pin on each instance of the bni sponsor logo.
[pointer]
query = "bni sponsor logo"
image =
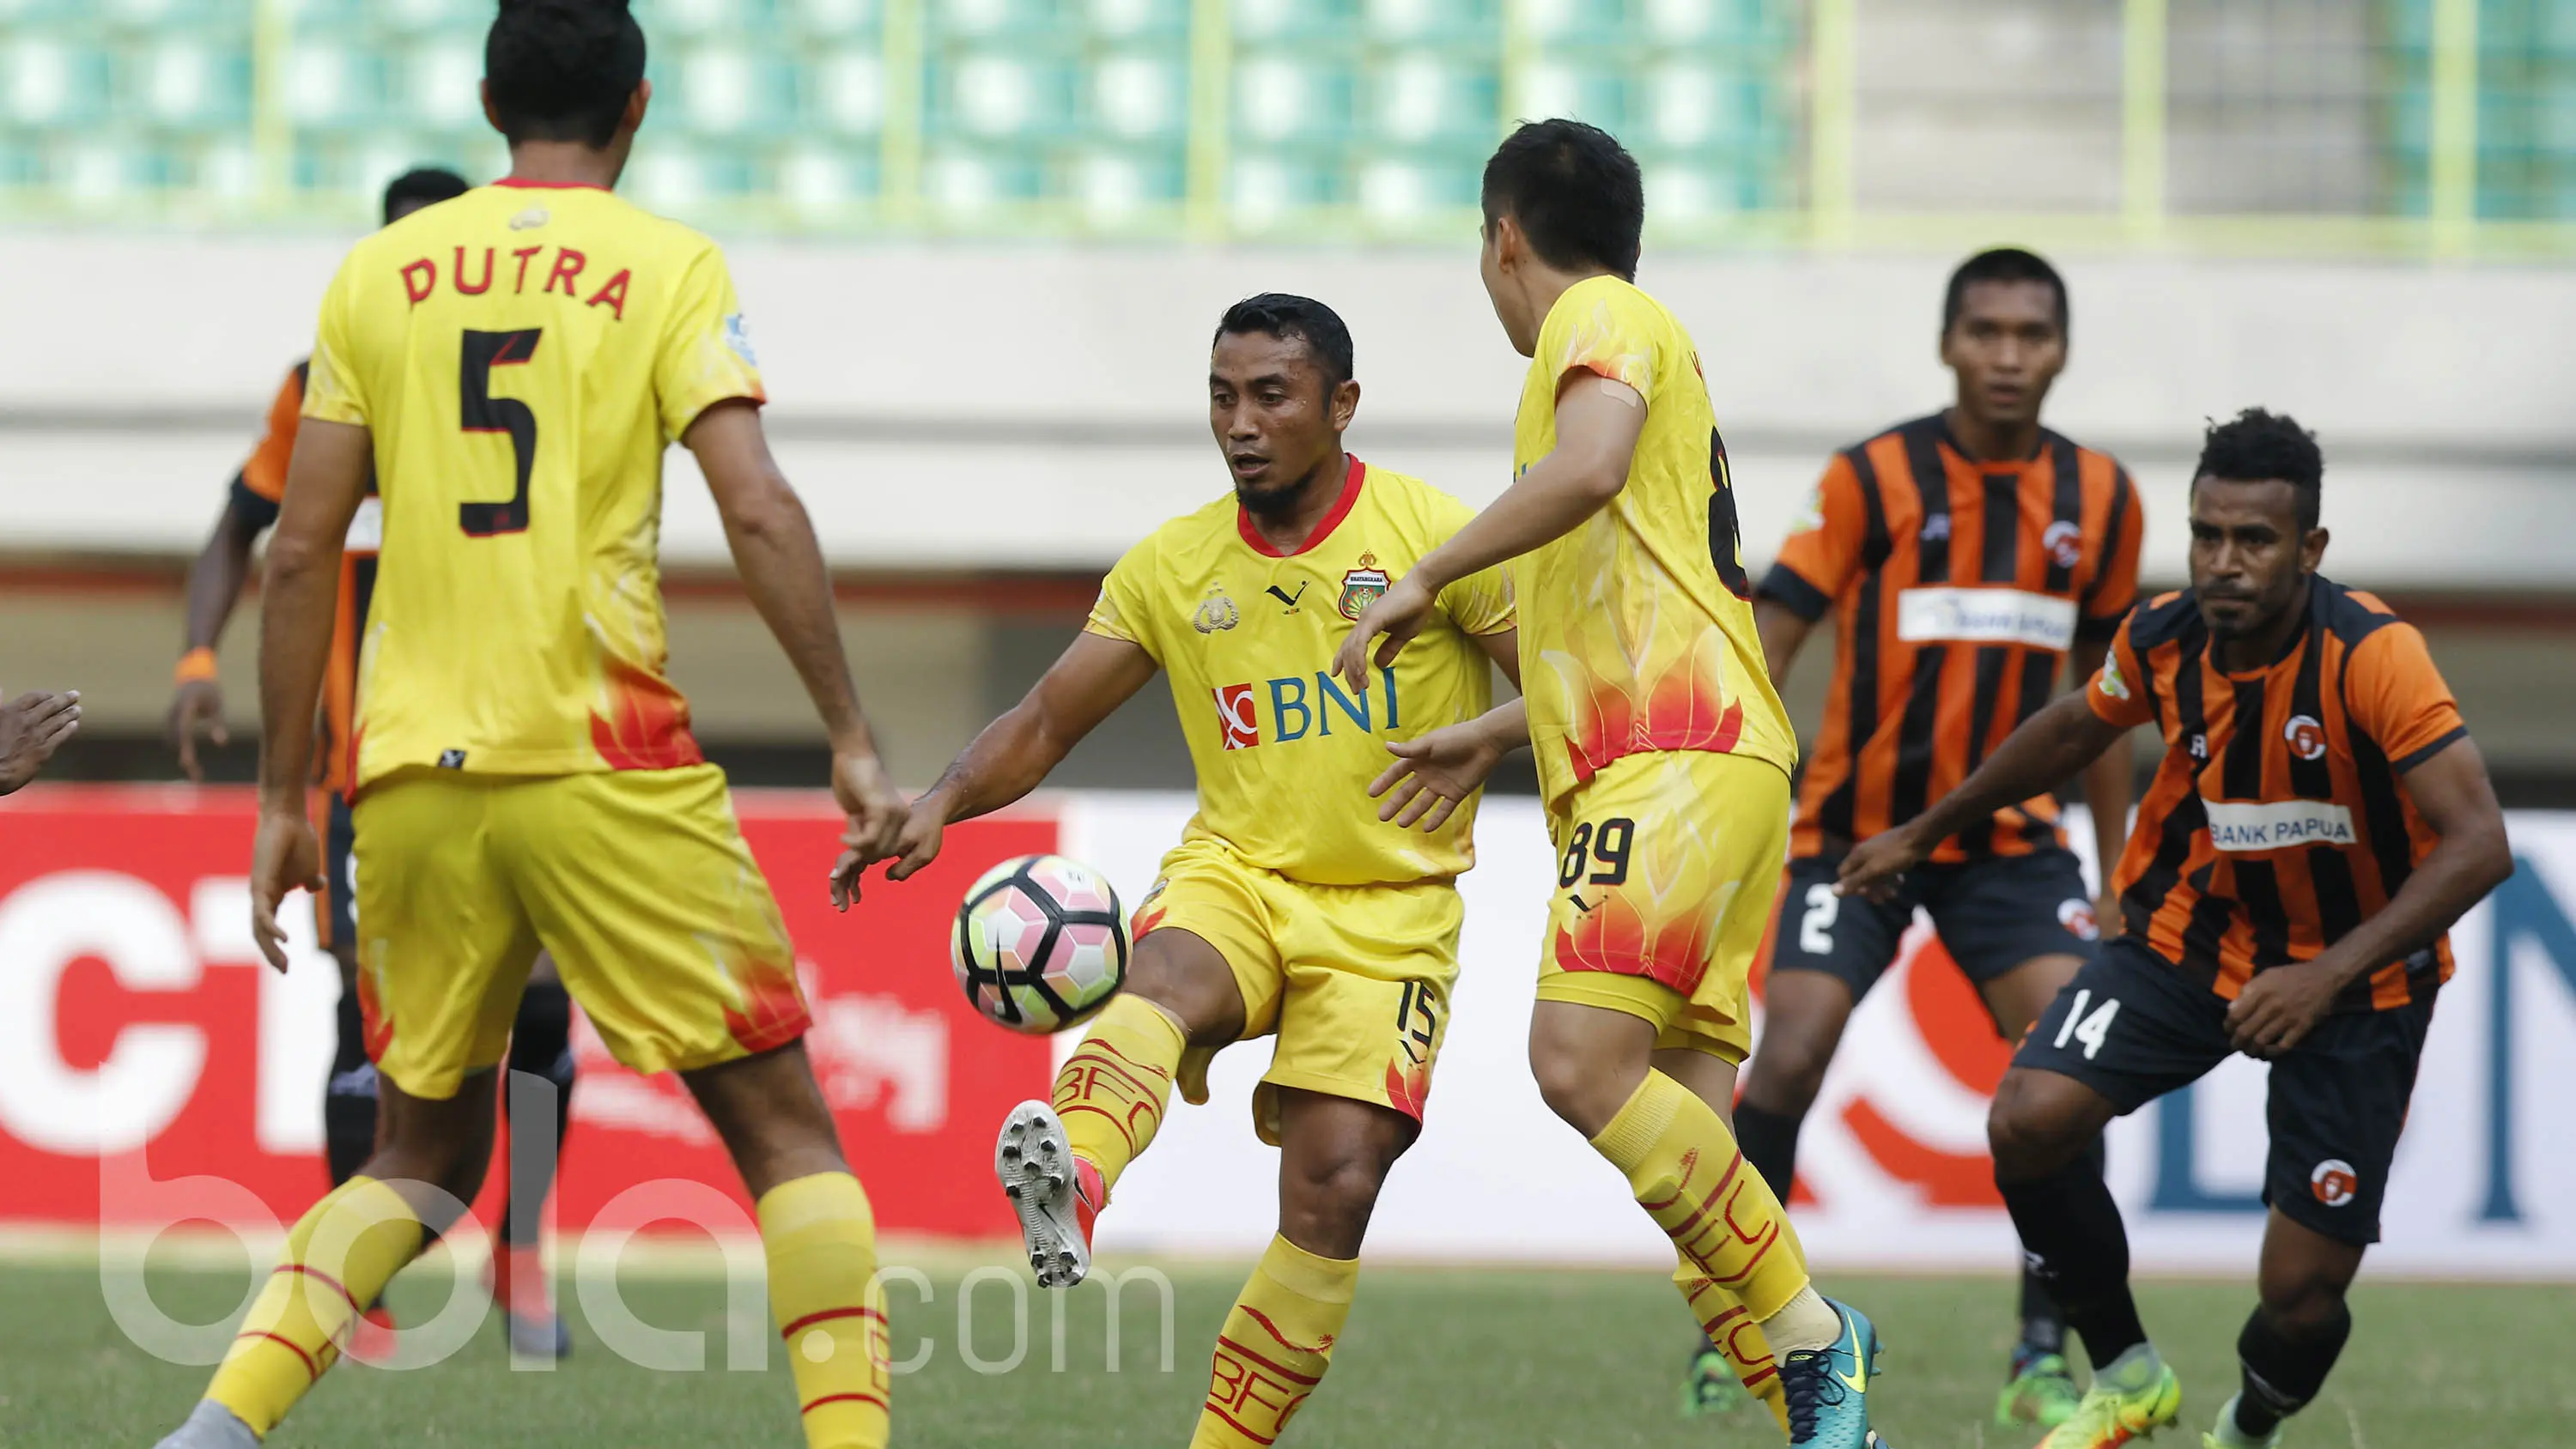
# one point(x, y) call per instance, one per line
point(2236, 825)
point(1984, 616)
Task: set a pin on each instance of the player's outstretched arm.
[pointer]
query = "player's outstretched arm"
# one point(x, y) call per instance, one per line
point(2451, 791)
point(781, 565)
point(1597, 425)
point(215, 582)
point(1434, 772)
point(299, 608)
point(1013, 754)
point(2048, 749)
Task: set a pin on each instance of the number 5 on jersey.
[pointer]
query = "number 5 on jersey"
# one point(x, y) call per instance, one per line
point(478, 411)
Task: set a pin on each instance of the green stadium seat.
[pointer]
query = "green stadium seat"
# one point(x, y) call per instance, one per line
point(833, 19)
point(844, 91)
point(50, 82)
point(1417, 98)
point(1280, 99)
point(191, 82)
point(439, 82)
point(1137, 95)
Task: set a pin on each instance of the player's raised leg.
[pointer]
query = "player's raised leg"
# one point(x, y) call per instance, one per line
point(1058, 1160)
point(1334, 1155)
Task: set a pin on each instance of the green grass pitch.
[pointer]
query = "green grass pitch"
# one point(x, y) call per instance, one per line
point(1433, 1357)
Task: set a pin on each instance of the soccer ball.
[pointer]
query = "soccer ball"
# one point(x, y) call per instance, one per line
point(1040, 943)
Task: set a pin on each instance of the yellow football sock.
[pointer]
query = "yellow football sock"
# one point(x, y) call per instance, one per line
point(1275, 1345)
point(339, 1255)
point(1114, 1088)
point(1683, 1165)
point(1729, 1325)
point(821, 1240)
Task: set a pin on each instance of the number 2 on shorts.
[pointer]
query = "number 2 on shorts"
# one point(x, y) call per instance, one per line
point(1816, 927)
point(2089, 1030)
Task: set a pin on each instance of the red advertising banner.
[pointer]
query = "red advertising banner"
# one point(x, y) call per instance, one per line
point(135, 1012)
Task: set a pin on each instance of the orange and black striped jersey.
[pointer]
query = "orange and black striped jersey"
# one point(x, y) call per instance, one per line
point(1958, 586)
point(256, 492)
point(2279, 819)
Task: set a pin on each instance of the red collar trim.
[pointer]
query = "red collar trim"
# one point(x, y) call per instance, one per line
point(520, 183)
point(1341, 509)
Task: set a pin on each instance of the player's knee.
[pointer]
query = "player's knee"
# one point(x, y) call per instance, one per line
point(1576, 1085)
point(1786, 1074)
point(2027, 1138)
point(1327, 1206)
point(1206, 1000)
point(2303, 1299)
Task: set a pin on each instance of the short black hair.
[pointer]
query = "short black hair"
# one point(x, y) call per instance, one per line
point(2001, 264)
point(562, 70)
point(1285, 315)
point(1575, 191)
point(422, 186)
point(2256, 445)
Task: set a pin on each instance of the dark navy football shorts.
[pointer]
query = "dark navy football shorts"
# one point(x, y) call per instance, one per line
point(1992, 915)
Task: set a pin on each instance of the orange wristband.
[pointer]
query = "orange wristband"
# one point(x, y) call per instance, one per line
point(196, 664)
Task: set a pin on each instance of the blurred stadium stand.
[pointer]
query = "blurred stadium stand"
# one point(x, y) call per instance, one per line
point(981, 241)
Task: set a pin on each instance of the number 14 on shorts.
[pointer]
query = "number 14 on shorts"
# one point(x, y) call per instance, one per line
point(2090, 1030)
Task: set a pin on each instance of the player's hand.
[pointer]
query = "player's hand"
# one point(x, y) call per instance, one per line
point(1433, 774)
point(923, 833)
point(32, 727)
point(284, 856)
point(1399, 614)
point(877, 812)
point(2279, 1007)
point(197, 707)
point(1878, 865)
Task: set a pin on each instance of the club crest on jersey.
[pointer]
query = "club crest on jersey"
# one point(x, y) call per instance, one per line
point(2112, 684)
point(1362, 587)
point(1216, 611)
point(531, 219)
point(2064, 544)
point(2307, 737)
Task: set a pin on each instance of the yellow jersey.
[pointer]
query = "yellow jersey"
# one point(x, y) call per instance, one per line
point(1639, 632)
point(1284, 750)
point(522, 355)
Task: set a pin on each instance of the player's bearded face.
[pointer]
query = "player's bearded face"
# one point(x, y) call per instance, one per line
point(2248, 555)
point(1272, 410)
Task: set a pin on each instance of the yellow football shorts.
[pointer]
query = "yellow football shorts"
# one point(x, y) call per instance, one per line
point(1667, 867)
point(637, 880)
point(1354, 980)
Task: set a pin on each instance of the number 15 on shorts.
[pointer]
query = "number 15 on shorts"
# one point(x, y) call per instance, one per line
point(2090, 1030)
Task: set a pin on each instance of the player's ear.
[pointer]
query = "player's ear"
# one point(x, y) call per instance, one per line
point(490, 116)
point(2312, 548)
point(636, 105)
point(1346, 403)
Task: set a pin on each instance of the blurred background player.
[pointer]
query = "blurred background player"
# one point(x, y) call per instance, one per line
point(1288, 908)
point(1663, 752)
point(1965, 555)
point(541, 1036)
point(2319, 822)
point(525, 773)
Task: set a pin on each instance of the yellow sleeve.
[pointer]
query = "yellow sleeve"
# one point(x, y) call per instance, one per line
point(706, 355)
point(1124, 610)
point(334, 388)
point(1609, 334)
point(1481, 603)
